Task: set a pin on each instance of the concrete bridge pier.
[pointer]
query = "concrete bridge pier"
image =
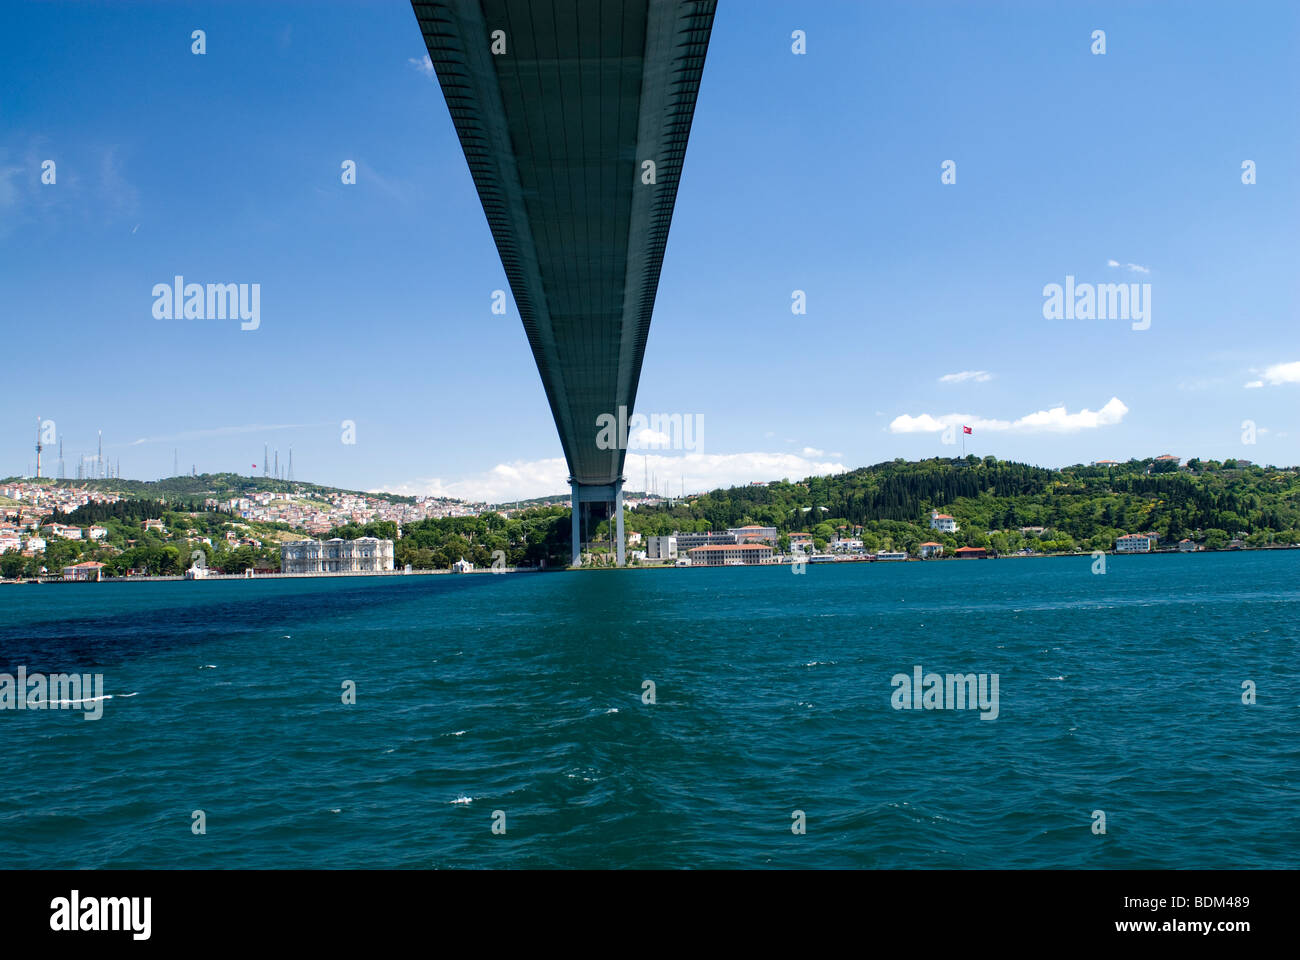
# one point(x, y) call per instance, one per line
point(611, 496)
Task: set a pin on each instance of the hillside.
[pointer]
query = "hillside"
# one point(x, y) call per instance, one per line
point(217, 485)
point(1080, 507)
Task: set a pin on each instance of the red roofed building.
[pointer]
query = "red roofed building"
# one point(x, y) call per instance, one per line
point(91, 570)
point(971, 553)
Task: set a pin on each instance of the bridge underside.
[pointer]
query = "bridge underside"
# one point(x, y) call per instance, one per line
point(558, 105)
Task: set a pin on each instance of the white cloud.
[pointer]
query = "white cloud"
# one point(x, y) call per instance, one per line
point(979, 376)
point(813, 452)
point(1131, 267)
point(1254, 384)
point(425, 66)
point(1280, 373)
point(1054, 420)
point(906, 423)
point(523, 480)
point(647, 439)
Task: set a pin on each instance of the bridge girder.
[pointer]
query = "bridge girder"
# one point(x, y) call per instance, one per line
point(558, 104)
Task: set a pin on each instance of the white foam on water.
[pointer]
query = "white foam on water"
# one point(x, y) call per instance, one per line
point(463, 799)
point(37, 703)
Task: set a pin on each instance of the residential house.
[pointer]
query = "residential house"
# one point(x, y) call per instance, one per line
point(942, 521)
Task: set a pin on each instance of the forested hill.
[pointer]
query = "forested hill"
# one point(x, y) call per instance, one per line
point(1080, 506)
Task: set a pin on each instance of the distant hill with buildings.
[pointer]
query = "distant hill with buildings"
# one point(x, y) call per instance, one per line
point(908, 508)
point(158, 527)
point(1006, 506)
point(205, 485)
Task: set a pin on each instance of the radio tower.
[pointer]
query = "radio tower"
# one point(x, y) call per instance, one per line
point(38, 448)
point(99, 457)
point(291, 464)
point(61, 458)
point(266, 460)
point(176, 462)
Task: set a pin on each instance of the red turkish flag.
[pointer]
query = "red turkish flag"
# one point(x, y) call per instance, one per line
point(967, 430)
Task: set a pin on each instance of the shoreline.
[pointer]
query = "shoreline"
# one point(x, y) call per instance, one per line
point(603, 568)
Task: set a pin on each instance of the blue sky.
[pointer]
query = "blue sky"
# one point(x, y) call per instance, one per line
point(819, 172)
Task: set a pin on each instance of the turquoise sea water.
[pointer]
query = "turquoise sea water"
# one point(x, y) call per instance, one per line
point(523, 693)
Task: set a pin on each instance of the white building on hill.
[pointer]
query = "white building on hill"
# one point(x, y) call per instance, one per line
point(941, 521)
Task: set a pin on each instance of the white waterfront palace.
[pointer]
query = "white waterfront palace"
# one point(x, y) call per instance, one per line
point(363, 555)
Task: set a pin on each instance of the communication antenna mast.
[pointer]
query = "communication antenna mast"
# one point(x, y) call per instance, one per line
point(38, 448)
point(291, 464)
